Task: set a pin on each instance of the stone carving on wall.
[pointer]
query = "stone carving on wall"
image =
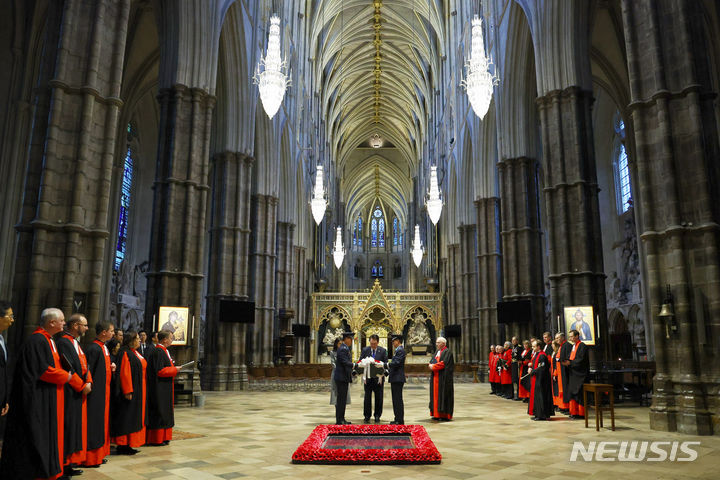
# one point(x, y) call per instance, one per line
point(417, 332)
point(629, 260)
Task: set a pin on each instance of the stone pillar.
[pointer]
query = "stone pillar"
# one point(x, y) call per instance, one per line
point(489, 267)
point(469, 318)
point(228, 269)
point(64, 226)
point(571, 201)
point(521, 241)
point(454, 296)
point(676, 139)
point(284, 279)
point(176, 272)
point(264, 212)
point(299, 300)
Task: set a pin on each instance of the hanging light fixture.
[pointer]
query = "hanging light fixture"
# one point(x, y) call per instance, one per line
point(272, 82)
point(417, 249)
point(338, 252)
point(433, 202)
point(318, 204)
point(479, 82)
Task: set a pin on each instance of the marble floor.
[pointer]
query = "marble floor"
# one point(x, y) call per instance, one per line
point(253, 435)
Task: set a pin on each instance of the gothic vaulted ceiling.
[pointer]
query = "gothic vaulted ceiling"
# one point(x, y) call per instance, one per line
point(376, 64)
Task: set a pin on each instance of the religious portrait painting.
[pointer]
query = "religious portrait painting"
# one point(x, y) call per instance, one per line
point(175, 320)
point(581, 319)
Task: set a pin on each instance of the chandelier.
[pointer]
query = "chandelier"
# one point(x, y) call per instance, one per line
point(479, 82)
point(338, 252)
point(272, 81)
point(417, 250)
point(376, 141)
point(318, 204)
point(433, 202)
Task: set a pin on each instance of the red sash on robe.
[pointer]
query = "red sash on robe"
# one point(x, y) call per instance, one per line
point(506, 374)
point(436, 367)
point(558, 399)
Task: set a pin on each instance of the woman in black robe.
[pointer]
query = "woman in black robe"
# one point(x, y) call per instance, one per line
point(129, 416)
point(161, 374)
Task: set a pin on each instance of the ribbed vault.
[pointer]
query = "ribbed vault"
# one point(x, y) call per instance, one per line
point(376, 65)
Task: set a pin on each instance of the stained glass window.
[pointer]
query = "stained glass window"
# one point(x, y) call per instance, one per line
point(377, 228)
point(623, 170)
point(125, 193)
point(395, 232)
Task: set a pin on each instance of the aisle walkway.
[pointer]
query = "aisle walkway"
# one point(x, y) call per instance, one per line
point(253, 435)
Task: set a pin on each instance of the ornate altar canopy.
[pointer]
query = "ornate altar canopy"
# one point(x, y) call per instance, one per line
point(372, 312)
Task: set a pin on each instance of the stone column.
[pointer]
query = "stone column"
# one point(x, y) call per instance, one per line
point(176, 272)
point(489, 261)
point(263, 282)
point(469, 319)
point(676, 139)
point(228, 269)
point(299, 300)
point(521, 241)
point(284, 279)
point(64, 226)
point(571, 200)
point(452, 275)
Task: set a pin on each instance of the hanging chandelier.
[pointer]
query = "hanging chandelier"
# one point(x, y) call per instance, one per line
point(272, 82)
point(433, 202)
point(338, 252)
point(318, 204)
point(417, 249)
point(479, 82)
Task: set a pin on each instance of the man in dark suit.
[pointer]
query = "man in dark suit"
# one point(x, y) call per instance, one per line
point(6, 319)
point(374, 384)
point(397, 379)
point(144, 347)
point(343, 377)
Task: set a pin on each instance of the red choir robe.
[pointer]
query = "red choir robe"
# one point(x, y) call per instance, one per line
point(492, 373)
point(33, 445)
point(161, 392)
point(441, 384)
point(98, 404)
point(541, 403)
point(505, 373)
point(127, 425)
point(75, 401)
point(522, 391)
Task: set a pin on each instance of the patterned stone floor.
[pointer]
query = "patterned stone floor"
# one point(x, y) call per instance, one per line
point(253, 435)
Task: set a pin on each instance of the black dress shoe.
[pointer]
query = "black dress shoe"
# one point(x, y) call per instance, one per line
point(537, 419)
point(346, 423)
point(517, 399)
point(126, 450)
point(71, 472)
point(377, 419)
point(525, 400)
point(366, 420)
point(166, 442)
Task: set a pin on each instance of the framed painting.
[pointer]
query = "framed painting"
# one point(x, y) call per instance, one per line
point(175, 320)
point(581, 319)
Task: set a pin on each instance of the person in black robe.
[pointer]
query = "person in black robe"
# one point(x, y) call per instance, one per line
point(515, 371)
point(540, 405)
point(76, 391)
point(129, 415)
point(343, 377)
point(98, 401)
point(442, 394)
point(578, 372)
point(396, 378)
point(161, 372)
point(565, 350)
point(6, 319)
point(33, 443)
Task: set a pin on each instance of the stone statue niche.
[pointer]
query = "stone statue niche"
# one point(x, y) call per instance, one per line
point(331, 328)
point(418, 334)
